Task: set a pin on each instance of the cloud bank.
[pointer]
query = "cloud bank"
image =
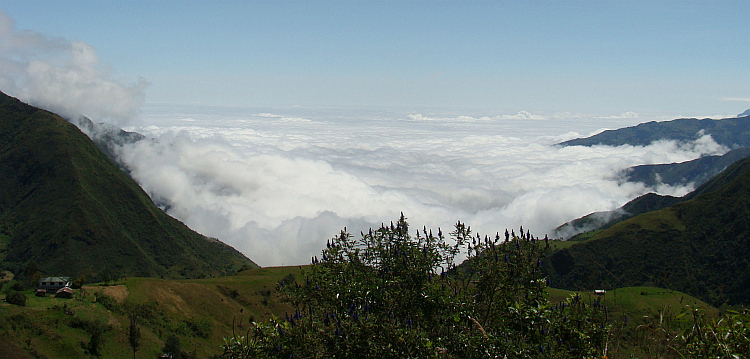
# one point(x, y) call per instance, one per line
point(277, 185)
point(65, 77)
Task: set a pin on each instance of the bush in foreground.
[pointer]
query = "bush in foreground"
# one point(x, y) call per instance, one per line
point(388, 294)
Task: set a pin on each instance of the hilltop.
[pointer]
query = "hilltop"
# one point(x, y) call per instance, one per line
point(68, 208)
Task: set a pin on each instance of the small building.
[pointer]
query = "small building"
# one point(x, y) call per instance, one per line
point(52, 284)
point(65, 292)
point(41, 292)
point(600, 291)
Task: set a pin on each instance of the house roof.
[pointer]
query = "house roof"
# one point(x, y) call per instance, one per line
point(54, 279)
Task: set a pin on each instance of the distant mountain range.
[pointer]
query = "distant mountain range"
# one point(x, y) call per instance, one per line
point(730, 132)
point(696, 243)
point(66, 206)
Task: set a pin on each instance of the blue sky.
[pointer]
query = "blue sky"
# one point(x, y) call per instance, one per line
point(686, 58)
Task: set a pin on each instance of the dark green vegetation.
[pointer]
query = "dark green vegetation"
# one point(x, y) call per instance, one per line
point(698, 246)
point(729, 132)
point(195, 315)
point(65, 206)
point(108, 138)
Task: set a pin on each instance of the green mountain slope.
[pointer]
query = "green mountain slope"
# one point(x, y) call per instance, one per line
point(698, 246)
point(66, 206)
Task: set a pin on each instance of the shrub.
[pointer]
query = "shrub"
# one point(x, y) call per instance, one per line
point(199, 327)
point(16, 298)
point(727, 337)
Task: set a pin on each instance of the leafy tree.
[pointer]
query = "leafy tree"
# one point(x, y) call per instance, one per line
point(172, 347)
point(96, 329)
point(79, 282)
point(389, 294)
point(134, 330)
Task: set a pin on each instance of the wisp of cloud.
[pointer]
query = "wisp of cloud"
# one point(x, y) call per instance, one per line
point(63, 76)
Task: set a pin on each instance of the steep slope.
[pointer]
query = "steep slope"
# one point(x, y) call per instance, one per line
point(698, 246)
point(66, 206)
point(652, 201)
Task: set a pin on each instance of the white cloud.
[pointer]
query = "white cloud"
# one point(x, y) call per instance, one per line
point(629, 114)
point(63, 76)
point(277, 192)
point(738, 99)
point(523, 115)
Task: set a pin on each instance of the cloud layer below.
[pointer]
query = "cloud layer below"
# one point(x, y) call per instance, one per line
point(276, 184)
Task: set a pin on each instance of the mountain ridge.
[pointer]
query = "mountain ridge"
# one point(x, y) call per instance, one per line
point(71, 210)
point(729, 132)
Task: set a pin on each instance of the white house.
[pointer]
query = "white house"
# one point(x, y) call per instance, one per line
point(52, 284)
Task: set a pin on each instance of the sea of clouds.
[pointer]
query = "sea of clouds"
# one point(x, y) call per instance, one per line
point(276, 183)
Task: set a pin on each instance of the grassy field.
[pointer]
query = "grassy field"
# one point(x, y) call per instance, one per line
point(202, 312)
point(639, 303)
point(642, 318)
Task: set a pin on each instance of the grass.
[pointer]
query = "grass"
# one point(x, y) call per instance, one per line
point(556, 245)
point(200, 311)
point(639, 313)
point(640, 302)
